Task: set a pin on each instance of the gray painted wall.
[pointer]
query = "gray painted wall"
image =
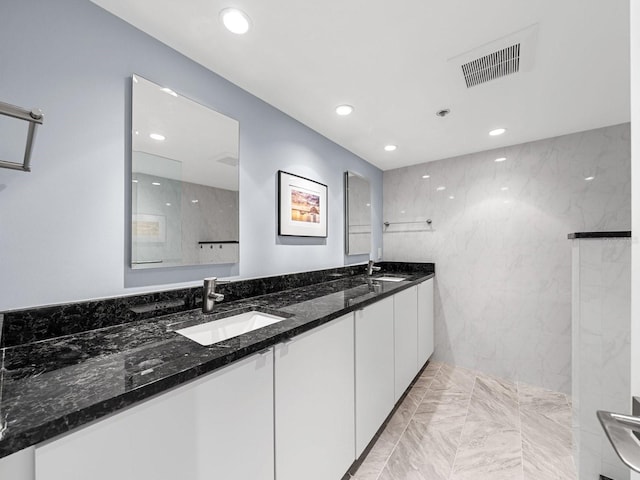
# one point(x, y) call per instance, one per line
point(63, 227)
point(503, 261)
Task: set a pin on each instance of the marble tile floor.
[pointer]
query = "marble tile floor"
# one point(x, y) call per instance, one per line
point(457, 424)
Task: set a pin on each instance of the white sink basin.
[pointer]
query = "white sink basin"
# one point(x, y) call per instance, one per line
point(390, 279)
point(225, 328)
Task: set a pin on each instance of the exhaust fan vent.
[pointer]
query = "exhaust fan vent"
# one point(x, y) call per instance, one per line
point(494, 65)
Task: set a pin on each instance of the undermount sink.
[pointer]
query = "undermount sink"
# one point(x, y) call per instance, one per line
point(390, 279)
point(218, 330)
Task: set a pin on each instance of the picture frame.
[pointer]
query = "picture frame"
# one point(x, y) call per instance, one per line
point(302, 206)
point(148, 228)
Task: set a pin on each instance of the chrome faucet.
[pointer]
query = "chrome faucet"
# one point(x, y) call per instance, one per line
point(209, 295)
point(371, 268)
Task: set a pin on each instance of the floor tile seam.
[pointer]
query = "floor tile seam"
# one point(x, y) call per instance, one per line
point(455, 457)
point(395, 445)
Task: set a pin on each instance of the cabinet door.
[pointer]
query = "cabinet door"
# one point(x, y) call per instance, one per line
point(374, 369)
point(18, 466)
point(425, 322)
point(218, 426)
point(405, 319)
point(314, 403)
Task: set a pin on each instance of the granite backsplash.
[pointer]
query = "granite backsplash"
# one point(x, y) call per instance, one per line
point(19, 327)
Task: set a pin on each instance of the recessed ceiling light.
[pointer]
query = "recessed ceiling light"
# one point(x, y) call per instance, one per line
point(157, 136)
point(451, 197)
point(236, 21)
point(168, 204)
point(441, 188)
point(390, 148)
point(504, 189)
point(368, 204)
point(497, 131)
point(194, 201)
point(500, 159)
point(157, 184)
point(344, 110)
point(426, 176)
point(588, 179)
point(169, 91)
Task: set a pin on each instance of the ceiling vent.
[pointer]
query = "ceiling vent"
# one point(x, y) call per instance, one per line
point(512, 53)
point(494, 65)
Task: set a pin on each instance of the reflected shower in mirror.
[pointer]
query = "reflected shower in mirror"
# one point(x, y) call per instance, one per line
point(357, 214)
point(184, 173)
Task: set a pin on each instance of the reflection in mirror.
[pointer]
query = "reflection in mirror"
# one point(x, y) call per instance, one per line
point(184, 176)
point(357, 214)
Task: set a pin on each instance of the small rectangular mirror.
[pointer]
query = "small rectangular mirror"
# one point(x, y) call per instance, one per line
point(357, 214)
point(184, 173)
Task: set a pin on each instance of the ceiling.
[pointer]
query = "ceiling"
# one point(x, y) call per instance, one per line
point(398, 63)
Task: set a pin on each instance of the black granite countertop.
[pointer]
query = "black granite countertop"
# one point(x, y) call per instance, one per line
point(51, 386)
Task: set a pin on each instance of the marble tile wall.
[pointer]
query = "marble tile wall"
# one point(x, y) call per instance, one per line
point(601, 354)
point(499, 238)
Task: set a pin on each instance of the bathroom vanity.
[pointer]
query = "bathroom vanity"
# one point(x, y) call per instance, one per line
point(305, 394)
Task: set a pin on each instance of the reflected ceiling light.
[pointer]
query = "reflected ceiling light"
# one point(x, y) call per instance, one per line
point(157, 136)
point(137, 132)
point(169, 91)
point(236, 21)
point(157, 184)
point(497, 131)
point(426, 176)
point(344, 110)
point(441, 188)
point(134, 181)
point(390, 148)
point(504, 189)
point(588, 179)
point(168, 204)
point(194, 201)
point(368, 204)
point(501, 159)
point(451, 197)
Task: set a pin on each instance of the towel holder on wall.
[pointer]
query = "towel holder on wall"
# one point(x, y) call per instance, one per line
point(35, 118)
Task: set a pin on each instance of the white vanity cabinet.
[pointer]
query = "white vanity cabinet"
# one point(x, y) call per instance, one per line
point(374, 361)
point(405, 320)
point(217, 426)
point(425, 322)
point(18, 466)
point(314, 403)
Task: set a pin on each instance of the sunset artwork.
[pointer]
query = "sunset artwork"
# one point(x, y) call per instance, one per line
point(305, 206)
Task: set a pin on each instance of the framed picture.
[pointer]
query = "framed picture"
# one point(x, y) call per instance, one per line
point(302, 205)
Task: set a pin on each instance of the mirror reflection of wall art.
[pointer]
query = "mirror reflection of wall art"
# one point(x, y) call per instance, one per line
point(302, 205)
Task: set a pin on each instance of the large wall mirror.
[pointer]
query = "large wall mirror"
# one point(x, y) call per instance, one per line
point(357, 214)
point(184, 173)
